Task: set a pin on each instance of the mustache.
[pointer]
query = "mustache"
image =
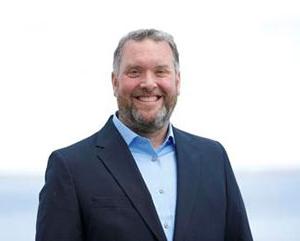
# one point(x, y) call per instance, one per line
point(147, 93)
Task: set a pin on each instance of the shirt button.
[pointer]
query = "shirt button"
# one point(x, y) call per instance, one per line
point(166, 226)
point(154, 159)
point(161, 191)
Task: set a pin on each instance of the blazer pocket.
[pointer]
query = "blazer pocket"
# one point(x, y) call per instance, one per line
point(111, 202)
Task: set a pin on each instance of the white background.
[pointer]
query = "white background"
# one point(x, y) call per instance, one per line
point(239, 66)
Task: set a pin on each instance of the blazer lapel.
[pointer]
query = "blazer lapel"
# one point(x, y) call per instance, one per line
point(114, 153)
point(188, 170)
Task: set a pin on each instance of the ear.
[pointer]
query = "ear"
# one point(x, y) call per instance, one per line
point(115, 83)
point(178, 83)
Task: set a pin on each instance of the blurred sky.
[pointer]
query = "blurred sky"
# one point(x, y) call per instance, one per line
point(239, 67)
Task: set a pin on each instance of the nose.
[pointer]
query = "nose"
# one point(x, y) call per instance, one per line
point(148, 82)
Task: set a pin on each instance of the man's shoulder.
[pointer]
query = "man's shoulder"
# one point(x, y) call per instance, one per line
point(193, 138)
point(208, 148)
point(80, 147)
point(87, 144)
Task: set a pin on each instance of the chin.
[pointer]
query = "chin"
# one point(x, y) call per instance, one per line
point(148, 117)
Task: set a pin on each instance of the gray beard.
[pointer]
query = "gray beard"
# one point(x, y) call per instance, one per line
point(141, 126)
point(135, 121)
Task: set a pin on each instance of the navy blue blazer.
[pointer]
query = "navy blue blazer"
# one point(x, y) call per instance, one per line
point(94, 192)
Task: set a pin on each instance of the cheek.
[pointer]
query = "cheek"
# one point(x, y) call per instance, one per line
point(126, 87)
point(169, 87)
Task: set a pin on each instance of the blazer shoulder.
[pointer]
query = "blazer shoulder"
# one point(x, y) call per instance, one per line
point(206, 146)
point(80, 148)
point(195, 139)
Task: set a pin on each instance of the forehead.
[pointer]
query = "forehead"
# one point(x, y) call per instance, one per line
point(146, 51)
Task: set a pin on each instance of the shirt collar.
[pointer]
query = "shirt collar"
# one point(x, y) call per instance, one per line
point(129, 135)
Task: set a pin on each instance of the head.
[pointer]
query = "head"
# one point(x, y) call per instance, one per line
point(146, 79)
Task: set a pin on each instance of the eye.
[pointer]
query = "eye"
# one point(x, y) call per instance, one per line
point(161, 72)
point(133, 73)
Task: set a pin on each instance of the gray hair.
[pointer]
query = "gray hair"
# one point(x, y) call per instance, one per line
point(140, 35)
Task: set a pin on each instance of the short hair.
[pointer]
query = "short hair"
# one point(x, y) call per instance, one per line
point(141, 34)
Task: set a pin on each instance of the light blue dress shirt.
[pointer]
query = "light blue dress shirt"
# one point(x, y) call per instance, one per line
point(158, 168)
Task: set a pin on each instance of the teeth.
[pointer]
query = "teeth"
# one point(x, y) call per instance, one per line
point(148, 98)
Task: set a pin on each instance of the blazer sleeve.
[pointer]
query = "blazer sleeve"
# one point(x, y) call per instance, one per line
point(237, 225)
point(58, 214)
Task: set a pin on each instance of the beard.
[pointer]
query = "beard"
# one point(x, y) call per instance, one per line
point(135, 120)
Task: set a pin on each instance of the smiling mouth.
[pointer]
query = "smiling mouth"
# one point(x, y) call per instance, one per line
point(148, 98)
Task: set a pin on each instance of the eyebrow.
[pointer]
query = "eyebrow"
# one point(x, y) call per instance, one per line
point(163, 66)
point(137, 66)
point(133, 66)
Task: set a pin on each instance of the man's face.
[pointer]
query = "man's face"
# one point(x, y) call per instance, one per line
point(147, 85)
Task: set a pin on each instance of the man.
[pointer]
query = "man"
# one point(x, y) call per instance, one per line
point(139, 178)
